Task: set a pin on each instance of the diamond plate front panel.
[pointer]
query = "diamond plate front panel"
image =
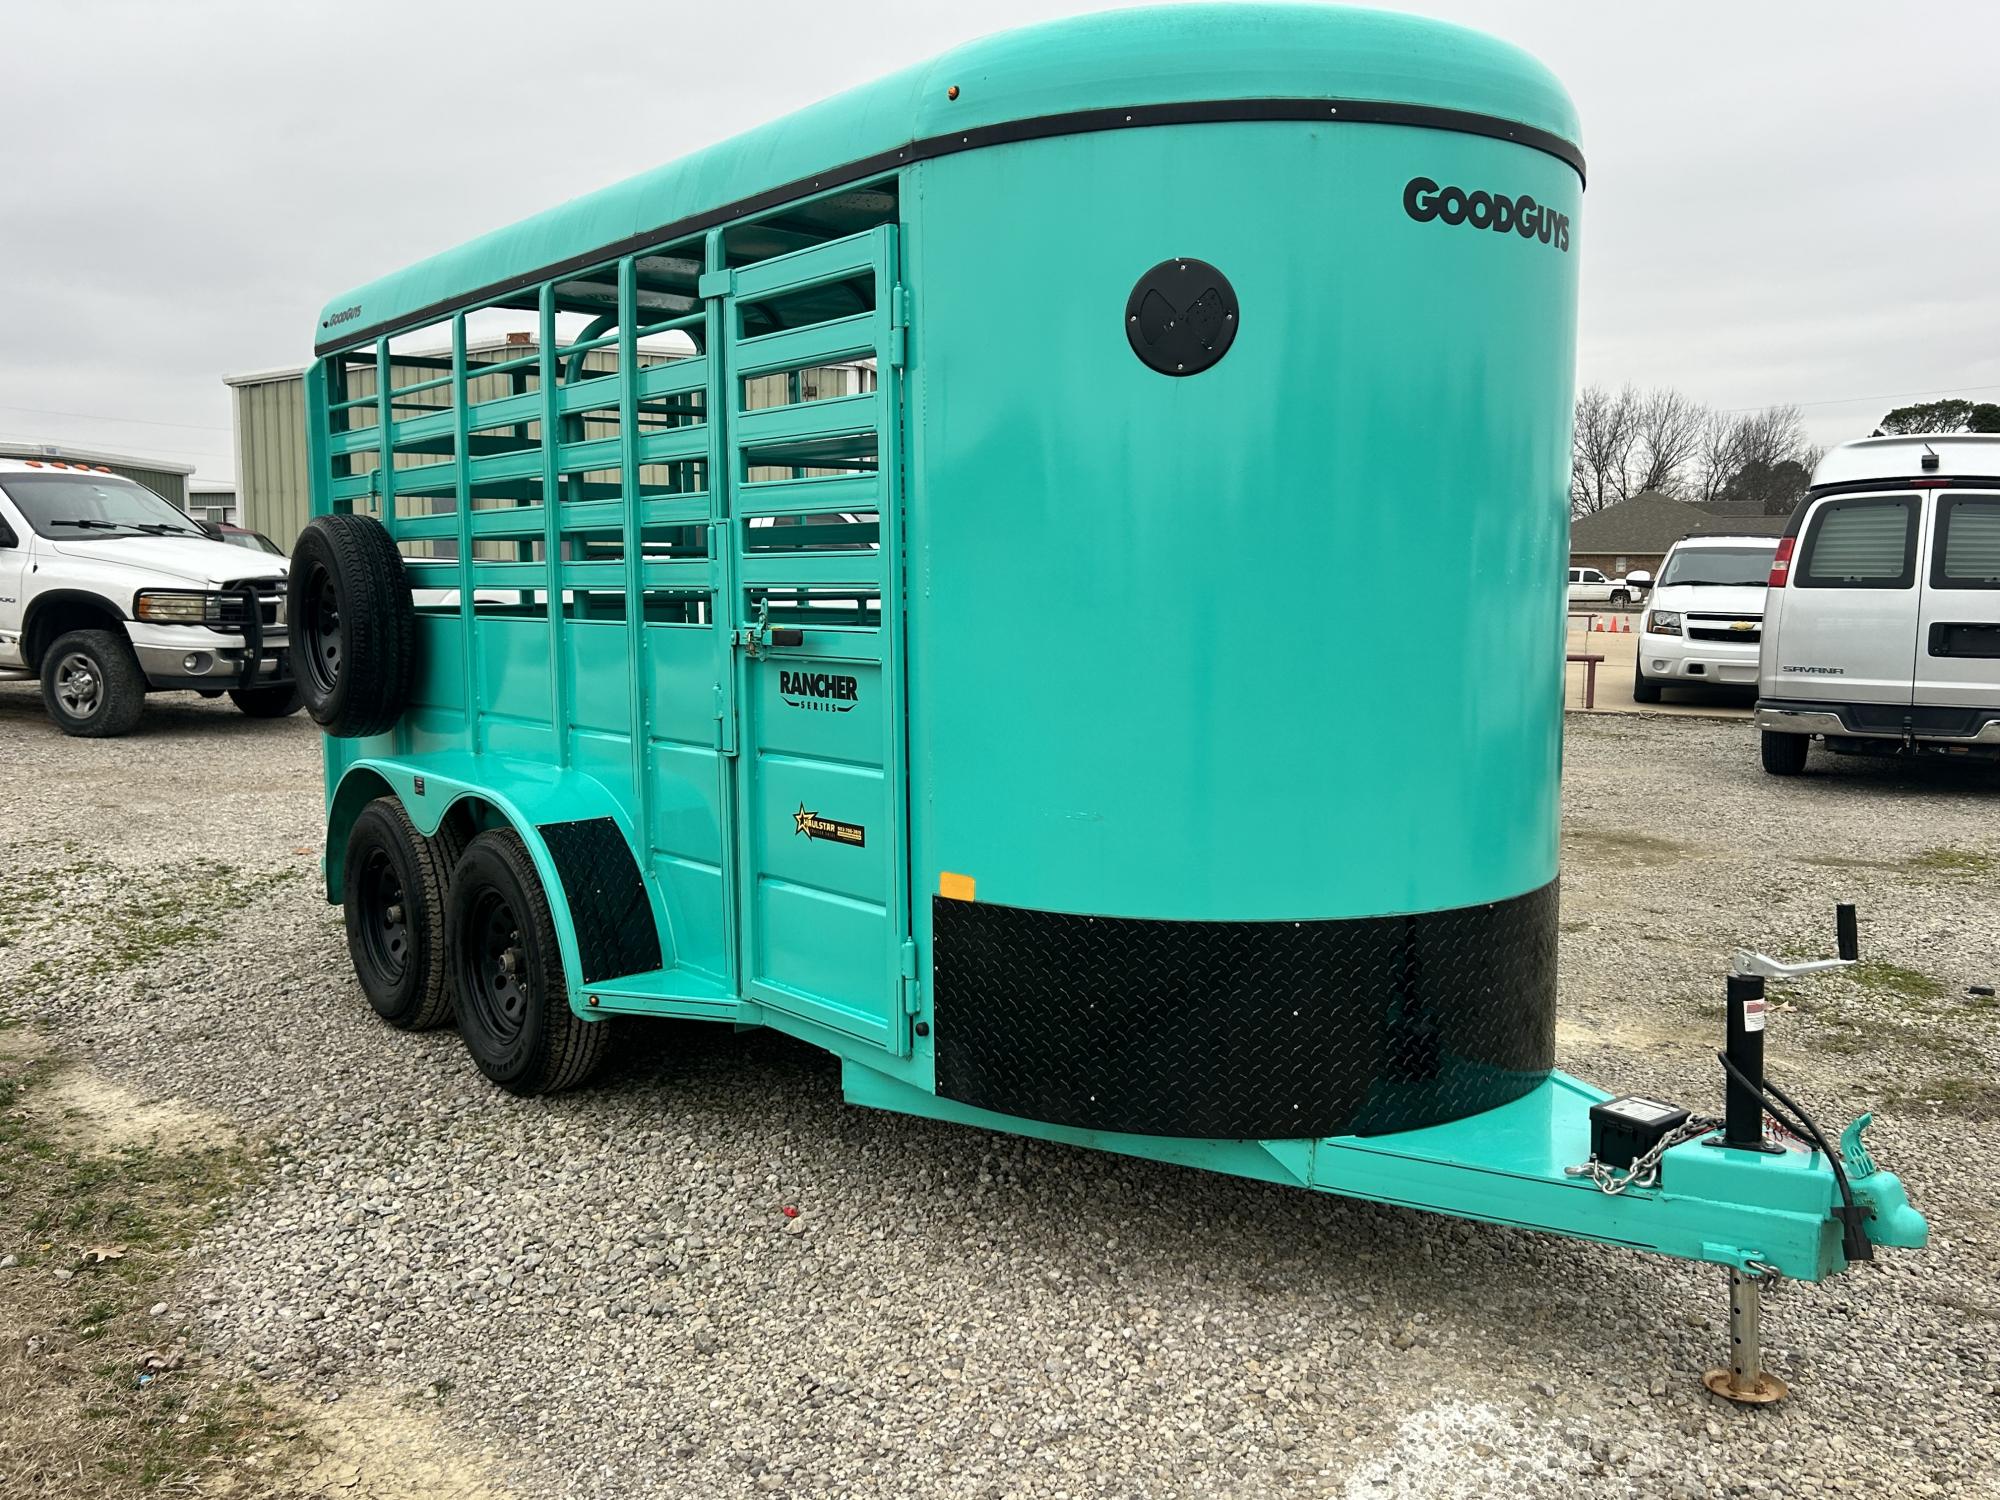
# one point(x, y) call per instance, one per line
point(1244, 1029)
point(615, 934)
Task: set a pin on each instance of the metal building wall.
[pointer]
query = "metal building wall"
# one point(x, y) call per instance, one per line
point(167, 486)
point(272, 489)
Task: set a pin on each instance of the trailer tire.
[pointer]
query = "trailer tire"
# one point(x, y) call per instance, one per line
point(91, 684)
point(353, 624)
point(507, 974)
point(393, 895)
point(268, 702)
point(1784, 754)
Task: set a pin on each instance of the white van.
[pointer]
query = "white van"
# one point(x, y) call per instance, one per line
point(107, 593)
point(1882, 624)
point(1705, 619)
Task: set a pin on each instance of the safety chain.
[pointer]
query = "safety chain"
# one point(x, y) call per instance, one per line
point(1645, 1170)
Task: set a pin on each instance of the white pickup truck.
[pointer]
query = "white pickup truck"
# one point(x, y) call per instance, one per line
point(107, 593)
point(1590, 586)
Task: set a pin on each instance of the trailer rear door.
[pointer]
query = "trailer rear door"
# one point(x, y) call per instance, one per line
point(822, 864)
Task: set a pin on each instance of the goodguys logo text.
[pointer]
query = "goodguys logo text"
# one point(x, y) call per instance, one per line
point(1424, 200)
point(829, 692)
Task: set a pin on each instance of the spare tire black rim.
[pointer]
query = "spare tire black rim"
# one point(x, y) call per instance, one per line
point(498, 987)
point(385, 916)
point(321, 629)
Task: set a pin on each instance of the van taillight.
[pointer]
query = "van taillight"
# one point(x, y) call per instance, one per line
point(1781, 564)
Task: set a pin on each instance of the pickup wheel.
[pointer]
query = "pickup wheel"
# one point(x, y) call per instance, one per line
point(268, 702)
point(1621, 598)
point(507, 975)
point(1644, 689)
point(1784, 754)
point(393, 895)
point(353, 623)
point(91, 684)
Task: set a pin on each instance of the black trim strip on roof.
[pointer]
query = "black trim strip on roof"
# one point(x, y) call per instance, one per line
point(1006, 132)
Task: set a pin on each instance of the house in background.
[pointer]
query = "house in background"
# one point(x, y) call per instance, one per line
point(1636, 533)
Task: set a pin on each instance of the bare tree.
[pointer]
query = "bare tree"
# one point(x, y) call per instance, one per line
point(1669, 437)
point(1719, 457)
point(1757, 461)
point(1627, 443)
point(1601, 448)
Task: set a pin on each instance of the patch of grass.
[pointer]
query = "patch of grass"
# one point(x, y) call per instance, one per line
point(1895, 981)
point(79, 1423)
point(1947, 861)
point(1969, 1096)
point(1844, 862)
point(1614, 844)
point(128, 920)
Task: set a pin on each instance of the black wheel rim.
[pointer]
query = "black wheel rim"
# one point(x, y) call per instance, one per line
point(324, 643)
point(385, 916)
point(497, 960)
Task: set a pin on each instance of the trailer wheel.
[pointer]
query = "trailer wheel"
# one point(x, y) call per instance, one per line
point(91, 684)
point(353, 623)
point(267, 702)
point(507, 976)
point(1784, 754)
point(393, 892)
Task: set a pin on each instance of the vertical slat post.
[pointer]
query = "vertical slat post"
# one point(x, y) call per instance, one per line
point(635, 561)
point(462, 448)
point(385, 447)
point(552, 525)
point(891, 351)
point(725, 603)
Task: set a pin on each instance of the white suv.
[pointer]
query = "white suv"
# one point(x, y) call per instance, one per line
point(1882, 635)
point(1706, 616)
point(107, 592)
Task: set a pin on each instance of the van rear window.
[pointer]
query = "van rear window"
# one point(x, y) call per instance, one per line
point(1864, 543)
point(1967, 555)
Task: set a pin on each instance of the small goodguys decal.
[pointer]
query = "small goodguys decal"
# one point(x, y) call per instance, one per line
point(813, 826)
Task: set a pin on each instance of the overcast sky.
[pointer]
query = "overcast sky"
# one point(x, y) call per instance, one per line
point(1787, 202)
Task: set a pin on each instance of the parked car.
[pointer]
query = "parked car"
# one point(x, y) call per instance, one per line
point(243, 536)
point(1882, 627)
point(1590, 586)
point(1705, 621)
point(107, 593)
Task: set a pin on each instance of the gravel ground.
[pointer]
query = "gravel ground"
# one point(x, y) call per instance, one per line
point(600, 1295)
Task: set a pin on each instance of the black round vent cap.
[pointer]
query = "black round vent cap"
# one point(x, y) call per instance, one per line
point(1181, 317)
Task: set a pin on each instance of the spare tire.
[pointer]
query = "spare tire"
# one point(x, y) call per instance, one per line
point(353, 625)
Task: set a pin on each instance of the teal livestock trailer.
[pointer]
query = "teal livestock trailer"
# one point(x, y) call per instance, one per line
point(924, 576)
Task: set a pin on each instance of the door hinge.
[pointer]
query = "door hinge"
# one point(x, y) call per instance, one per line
point(908, 968)
point(725, 739)
point(899, 326)
point(715, 283)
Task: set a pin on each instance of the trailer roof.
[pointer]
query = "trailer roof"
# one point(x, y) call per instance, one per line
point(1136, 67)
